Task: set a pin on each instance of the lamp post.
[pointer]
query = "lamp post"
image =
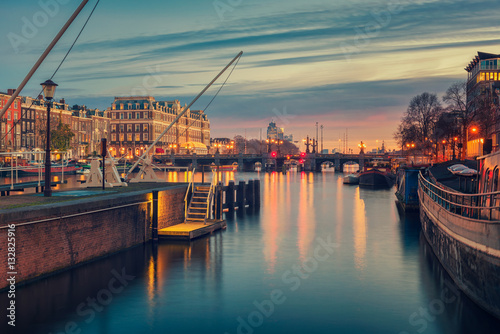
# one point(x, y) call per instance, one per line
point(444, 147)
point(49, 88)
point(473, 130)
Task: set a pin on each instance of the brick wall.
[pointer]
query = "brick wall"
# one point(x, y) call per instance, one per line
point(171, 207)
point(84, 231)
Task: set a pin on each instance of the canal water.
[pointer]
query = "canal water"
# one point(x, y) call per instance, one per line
point(318, 257)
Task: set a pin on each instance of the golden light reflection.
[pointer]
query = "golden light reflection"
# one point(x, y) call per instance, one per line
point(306, 217)
point(359, 231)
point(340, 207)
point(151, 280)
point(173, 177)
point(271, 226)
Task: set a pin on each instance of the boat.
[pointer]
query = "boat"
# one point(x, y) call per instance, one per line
point(460, 216)
point(225, 168)
point(373, 178)
point(351, 179)
point(55, 169)
point(328, 166)
point(407, 188)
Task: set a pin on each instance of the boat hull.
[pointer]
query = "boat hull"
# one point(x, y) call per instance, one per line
point(468, 249)
point(53, 170)
point(374, 179)
point(351, 179)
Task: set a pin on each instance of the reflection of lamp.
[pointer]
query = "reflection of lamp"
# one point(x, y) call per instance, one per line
point(49, 88)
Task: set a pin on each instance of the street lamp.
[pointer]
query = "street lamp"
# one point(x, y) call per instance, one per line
point(49, 88)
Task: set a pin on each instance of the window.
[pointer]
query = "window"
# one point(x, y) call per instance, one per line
point(113, 128)
point(121, 115)
point(15, 116)
point(122, 127)
point(129, 137)
point(137, 115)
point(145, 136)
point(144, 127)
point(8, 116)
point(122, 137)
point(129, 115)
point(129, 127)
point(15, 104)
point(113, 137)
point(137, 128)
point(137, 137)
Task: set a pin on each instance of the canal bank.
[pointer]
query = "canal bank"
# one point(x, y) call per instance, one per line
point(52, 235)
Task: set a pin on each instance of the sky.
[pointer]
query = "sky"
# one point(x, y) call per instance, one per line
point(352, 66)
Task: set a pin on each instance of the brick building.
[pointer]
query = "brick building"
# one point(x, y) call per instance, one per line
point(138, 120)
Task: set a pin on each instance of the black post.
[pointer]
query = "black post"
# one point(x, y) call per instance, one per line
point(256, 185)
point(48, 190)
point(155, 217)
point(203, 174)
point(218, 201)
point(103, 154)
point(240, 195)
point(230, 196)
point(250, 194)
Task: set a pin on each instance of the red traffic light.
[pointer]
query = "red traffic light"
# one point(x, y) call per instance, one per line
point(273, 154)
point(301, 161)
point(302, 154)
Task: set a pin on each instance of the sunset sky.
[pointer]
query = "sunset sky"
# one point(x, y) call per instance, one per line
point(346, 64)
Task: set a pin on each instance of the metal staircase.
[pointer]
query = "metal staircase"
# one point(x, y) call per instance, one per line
point(199, 201)
point(198, 208)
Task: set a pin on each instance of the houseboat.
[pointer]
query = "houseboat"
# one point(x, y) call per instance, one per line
point(460, 217)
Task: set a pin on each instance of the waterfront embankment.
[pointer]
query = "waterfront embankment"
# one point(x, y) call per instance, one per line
point(77, 226)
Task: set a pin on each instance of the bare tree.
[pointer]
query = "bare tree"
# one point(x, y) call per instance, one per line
point(456, 98)
point(423, 112)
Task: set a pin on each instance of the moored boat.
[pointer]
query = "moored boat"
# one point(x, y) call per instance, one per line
point(351, 179)
point(374, 178)
point(55, 169)
point(462, 226)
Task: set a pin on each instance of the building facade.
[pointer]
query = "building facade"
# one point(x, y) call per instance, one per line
point(274, 132)
point(10, 123)
point(483, 90)
point(137, 121)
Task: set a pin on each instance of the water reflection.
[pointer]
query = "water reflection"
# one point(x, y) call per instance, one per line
point(359, 230)
point(307, 215)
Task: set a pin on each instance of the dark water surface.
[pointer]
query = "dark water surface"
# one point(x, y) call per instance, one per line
point(319, 257)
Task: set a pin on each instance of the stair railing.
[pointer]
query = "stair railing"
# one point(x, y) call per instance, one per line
point(190, 187)
point(211, 193)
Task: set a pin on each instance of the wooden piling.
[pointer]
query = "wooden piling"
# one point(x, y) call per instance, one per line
point(230, 196)
point(250, 195)
point(240, 195)
point(218, 201)
point(256, 185)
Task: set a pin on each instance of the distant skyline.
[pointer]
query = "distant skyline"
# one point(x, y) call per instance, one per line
point(347, 65)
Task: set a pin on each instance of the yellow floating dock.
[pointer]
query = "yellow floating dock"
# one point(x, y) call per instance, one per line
point(191, 230)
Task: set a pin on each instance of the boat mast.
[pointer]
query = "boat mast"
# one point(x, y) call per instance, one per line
point(42, 57)
point(145, 154)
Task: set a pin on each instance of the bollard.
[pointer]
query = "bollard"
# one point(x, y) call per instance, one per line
point(250, 196)
point(240, 195)
point(256, 185)
point(230, 196)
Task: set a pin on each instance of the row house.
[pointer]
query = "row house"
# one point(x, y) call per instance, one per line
point(89, 127)
point(137, 121)
point(9, 123)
